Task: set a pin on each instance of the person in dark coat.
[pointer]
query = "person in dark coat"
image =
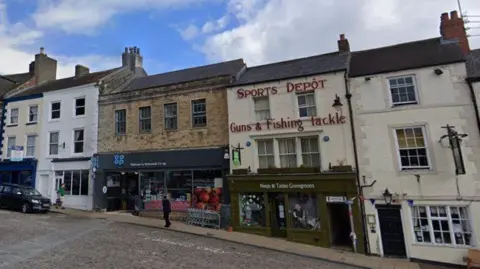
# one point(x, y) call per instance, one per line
point(166, 211)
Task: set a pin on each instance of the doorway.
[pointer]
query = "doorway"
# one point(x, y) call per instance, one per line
point(391, 231)
point(339, 225)
point(278, 220)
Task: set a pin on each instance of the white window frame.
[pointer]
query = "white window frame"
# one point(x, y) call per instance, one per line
point(260, 111)
point(79, 141)
point(75, 106)
point(295, 153)
point(170, 117)
point(50, 143)
point(27, 146)
point(310, 153)
point(10, 117)
point(297, 95)
point(145, 121)
point(51, 110)
point(30, 114)
point(117, 122)
point(448, 218)
point(415, 89)
point(427, 152)
point(9, 151)
point(266, 155)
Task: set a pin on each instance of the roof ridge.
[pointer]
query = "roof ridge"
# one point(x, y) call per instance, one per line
point(195, 67)
point(295, 60)
point(397, 45)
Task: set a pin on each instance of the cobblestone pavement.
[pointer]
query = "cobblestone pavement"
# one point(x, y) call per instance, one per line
point(60, 241)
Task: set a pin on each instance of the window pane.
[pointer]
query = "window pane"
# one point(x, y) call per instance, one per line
point(252, 209)
point(261, 103)
point(80, 102)
point(84, 182)
point(304, 211)
point(67, 180)
point(76, 182)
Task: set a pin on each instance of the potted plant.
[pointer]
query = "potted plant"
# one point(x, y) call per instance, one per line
point(341, 166)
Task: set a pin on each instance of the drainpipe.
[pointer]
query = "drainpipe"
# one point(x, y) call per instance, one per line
point(474, 102)
point(2, 120)
point(348, 96)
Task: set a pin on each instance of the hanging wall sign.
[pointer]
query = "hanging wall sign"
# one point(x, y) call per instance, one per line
point(336, 199)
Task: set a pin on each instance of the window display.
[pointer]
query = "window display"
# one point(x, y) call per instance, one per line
point(207, 193)
point(304, 211)
point(152, 189)
point(252, 209)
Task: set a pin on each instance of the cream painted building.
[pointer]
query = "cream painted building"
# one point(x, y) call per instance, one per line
point(401, 109)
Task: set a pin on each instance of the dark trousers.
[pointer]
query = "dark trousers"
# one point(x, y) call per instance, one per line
point(166, 217)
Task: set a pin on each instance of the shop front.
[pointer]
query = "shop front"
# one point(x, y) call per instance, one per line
point(138, 181)
point(317, 208)
point(21, 172)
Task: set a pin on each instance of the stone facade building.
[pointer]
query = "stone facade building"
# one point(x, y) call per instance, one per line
point(164, 134)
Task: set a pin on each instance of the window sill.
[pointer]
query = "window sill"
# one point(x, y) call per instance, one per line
point(31, 123)
point(51, 157)
point(79, 116)
point(441, 245)
point(403, 106)
point(145, 133)
point(199, 127)
point(171, 130)
point(12, 125)
point(53, 120)
point(121, 135)
point(419, 171)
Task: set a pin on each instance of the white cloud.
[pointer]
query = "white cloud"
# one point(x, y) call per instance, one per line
point(85, 16)
point(16, 60)
point(274, 30)
point(216, 25)
point(190, 32)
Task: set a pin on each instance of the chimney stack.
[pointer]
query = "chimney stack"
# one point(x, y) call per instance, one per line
point(453, 28)
point(132, 58)
point(44, 67)
point(343, 45)
point(81, 70)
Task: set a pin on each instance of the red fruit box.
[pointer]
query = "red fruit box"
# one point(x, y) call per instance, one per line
point(175, 205)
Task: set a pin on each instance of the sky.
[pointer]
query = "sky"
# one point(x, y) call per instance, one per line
point(177, 34)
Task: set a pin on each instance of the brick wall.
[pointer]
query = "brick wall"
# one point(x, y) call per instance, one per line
point(214, 134)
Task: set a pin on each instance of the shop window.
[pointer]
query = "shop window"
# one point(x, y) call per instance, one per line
point(84, 183)
point(179, 185)
point(310, 151)
point(287, 152)
point(152, 188)
point(266, 157)
point(252, 209)
point(76, 181)
point(76, 175)
point(262, 108)
point(304, 211)
point(444, 225)
point(207, 191)
point(67, 180)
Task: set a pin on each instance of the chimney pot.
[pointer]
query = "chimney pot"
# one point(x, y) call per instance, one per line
point(453, 29)
point(343, 44)
point(138, 51)
point(42, 50)
point(126, 50)
point(444, 16)
point(453, 15)
point(342, 36)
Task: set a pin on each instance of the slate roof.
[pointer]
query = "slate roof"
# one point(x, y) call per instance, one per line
point(418, 54)
point(6, 85)
point(230, 68)
point(65, 83)
point(473, 64)
point(319, 64)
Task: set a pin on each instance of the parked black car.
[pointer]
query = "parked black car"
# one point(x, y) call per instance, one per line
point(23, 198)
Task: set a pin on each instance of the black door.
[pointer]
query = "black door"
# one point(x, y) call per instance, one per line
point(391, 229)
point(278, 219)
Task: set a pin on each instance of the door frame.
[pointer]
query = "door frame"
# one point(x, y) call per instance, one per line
point(379, 228)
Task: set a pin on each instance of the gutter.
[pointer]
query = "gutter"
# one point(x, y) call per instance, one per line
point(474, 102)
point(348, 96)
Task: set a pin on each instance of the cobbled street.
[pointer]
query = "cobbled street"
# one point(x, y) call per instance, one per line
point(62, 241)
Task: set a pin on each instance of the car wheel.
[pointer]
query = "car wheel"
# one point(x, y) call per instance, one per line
point(25, 208)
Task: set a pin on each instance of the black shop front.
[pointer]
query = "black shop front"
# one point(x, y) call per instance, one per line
point(139, 180)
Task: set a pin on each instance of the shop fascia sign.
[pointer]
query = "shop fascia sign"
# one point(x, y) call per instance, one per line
point(287, 123)
point(286, 186)
point(299, 87)
point(147, 164)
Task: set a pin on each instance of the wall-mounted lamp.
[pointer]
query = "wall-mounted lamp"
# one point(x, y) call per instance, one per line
point(337, 104)
point(455, 139)
point(438, 71)
point(63, 145)
point(387, 196)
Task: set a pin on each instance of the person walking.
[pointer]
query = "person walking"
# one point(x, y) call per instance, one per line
point(60, 194)
point(166, 211)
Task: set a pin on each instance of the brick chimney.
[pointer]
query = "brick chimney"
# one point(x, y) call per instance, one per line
point(453, 28)
point(44, 67)
point(132, 58)
point(343, 45)
point(81, 70)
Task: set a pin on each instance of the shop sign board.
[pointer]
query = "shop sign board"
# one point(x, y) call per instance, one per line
point(287, 186)
point(336, 199)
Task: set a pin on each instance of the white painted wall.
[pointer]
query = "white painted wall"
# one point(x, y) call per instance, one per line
point(66, 125)
point(284, 105)
point(443, 99)
point(24, 127)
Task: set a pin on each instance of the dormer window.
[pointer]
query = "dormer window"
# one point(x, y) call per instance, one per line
point(403, 90)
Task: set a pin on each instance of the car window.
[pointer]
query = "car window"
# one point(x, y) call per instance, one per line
point(7, 189)
point(31, 192)
point(15, 190)
point(1, 188)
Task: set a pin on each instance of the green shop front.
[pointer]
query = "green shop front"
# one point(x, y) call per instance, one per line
point(316, 209)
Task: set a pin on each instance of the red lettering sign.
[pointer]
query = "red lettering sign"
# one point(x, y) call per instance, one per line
point(297, 87)
point(331, 119)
